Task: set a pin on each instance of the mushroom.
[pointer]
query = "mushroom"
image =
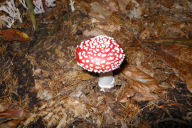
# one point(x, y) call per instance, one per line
point(101, 54)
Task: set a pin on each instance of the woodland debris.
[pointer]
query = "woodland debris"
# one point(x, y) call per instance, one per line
point(167, 42)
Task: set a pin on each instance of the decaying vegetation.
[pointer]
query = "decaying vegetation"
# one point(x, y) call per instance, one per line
point(42, 86)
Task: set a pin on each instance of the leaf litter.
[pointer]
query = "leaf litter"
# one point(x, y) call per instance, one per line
point(152, 86)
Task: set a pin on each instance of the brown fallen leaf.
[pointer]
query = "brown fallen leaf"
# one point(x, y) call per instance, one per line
point(180, 58)
point(130, 93)
point(10, 118)
point(188, 80)
point(166, 3)
point(99, 11)
point(177, 59)
point(181, 52)
point(140, 81)
point(14, 34)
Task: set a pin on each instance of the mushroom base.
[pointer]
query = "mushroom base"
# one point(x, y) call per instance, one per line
point(106, 80)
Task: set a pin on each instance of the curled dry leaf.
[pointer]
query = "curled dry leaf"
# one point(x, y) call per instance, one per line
point(14, 34)
point(10, 118)
point(140, 81)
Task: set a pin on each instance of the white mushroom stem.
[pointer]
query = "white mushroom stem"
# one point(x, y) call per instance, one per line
point(106, 80)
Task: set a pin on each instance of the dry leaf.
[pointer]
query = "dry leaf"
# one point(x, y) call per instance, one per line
point(2, 108)
point(13, 113)
point(41, 73)
point(140, 81)
point(177, 27)
point(63, 121)
point(80, 110)
point(30, 119)
point(178, 57)
point(130, 93)
point(10, 118)
point(112, 6)
point(59, 53)
point(181, 52)
point(188, 80)
point(100, 9)
point(93, 33)
point(123, 3)
point(14, 34)
point(166, 3)
point(53, 121)
point(110, 28)
point(145, 34)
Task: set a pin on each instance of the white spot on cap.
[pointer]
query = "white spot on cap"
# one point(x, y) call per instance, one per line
point(80, 57)
point(110, 58)
point(86, 48)
point(91, 65)
point(89, 53)
point(110, 54)
point(97, 63)
point(87, 61)
point(116, 48)
point(103, 61)
point(97, 67)
point(103, 55)
point(120, 56)
point(97, 59)
point(99, 54)
point(106, 50)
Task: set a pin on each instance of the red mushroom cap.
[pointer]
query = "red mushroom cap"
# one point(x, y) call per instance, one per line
point(100, 54)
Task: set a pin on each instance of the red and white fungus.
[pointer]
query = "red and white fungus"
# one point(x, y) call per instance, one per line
point(100, 54)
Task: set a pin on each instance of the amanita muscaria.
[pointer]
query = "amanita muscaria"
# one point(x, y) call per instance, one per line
point(101, 54)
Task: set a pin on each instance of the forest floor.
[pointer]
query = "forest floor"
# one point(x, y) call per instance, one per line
point(41, 84)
